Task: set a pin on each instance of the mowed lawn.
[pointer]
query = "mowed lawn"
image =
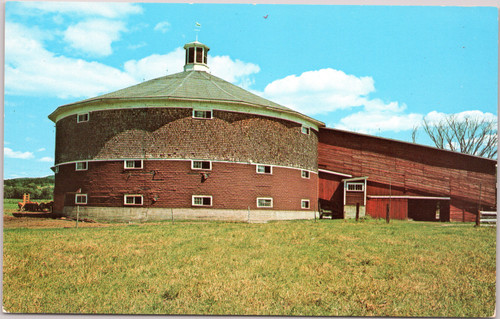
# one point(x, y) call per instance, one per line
point(306, 268)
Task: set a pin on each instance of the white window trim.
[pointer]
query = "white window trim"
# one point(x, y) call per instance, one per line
point(81, 169)
point(132, 195)
point(78, 117)
point(257, 169)
point(265, 198)
point(308, 204)
point(308, 174)
point(201, 168)
point(203, 118)
point(308, 130)
point(201, 196)
point(355, 184)
point(125, 164)
point(82, 196)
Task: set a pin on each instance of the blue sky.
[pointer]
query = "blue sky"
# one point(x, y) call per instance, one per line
point(372, 69)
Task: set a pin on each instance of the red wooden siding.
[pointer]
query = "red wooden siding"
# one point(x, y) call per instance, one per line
point(353, 198)
point(410, 169)
point(462, 211)
point(331, 192)
point(377, 208)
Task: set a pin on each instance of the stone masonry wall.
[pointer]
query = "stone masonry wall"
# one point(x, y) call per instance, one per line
point(172, 133)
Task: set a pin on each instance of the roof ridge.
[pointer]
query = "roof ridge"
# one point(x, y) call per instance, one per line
point(180, 84)
point(211, 80)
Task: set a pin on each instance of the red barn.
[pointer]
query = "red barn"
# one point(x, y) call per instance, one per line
point(417, 182)
point(195, 146)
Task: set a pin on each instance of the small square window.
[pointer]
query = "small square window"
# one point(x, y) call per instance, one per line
point(81, 199)
point(201, 200)
point(81, 166)
point(198, 114)
point(264, 202)
point(305, 204)
point(264, 169)
point(133, 164)
point(305, 174)
point(201, 165)
point(305, 130)
point(82, 118)
point(135, 200)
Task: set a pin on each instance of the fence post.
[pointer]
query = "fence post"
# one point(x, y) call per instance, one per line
point(77, 214)
point(357, 211)
point(388, 214)
point(478, 215)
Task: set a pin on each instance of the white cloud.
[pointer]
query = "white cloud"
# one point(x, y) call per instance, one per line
point(41, 149)
point(8, 152)
point(31, 69)
point(435, 117)
point(234, 71)
point(328, 90)
point(156, 65)
point(376, 119)
point(321, 91)
point(46, 159)
point(103, 9)
point(94, 36)
point(162, 27)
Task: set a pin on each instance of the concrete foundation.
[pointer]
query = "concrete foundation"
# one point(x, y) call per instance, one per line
point(350, 211)
point(141, 214)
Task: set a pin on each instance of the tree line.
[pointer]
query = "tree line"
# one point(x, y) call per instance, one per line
point(37, 187)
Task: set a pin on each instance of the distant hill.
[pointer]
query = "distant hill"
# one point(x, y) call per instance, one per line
point(37, 187)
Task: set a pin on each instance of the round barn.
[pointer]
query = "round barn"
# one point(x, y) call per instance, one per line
point(193, 146)
point(186, 146)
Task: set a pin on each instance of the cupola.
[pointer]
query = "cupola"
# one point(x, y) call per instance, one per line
point(196, 57)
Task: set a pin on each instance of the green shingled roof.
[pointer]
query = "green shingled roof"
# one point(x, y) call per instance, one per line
point(188, 85)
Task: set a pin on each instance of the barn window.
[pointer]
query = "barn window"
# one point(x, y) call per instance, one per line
point(132, 200)
point(356, 187)
point(198, 114)
point(264, 202)
point(81, 199)
point(82, 118)
point(81, 166)
point(305, 204)
point(305, 174)
point(305, 130)
point(201, 200)
point(190, 57)
point(133, 164)
point(201, 165)
point(199, 55)
point(264, 169)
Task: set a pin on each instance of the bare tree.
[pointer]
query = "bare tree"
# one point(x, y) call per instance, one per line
point(469, 135)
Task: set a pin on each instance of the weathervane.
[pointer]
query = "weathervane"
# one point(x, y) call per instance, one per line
point(197, 29)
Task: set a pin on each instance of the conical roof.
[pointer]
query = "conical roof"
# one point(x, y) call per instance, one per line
point(187, 85)
point(190, 85)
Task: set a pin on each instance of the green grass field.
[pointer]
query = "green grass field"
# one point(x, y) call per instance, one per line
point(306, 268)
